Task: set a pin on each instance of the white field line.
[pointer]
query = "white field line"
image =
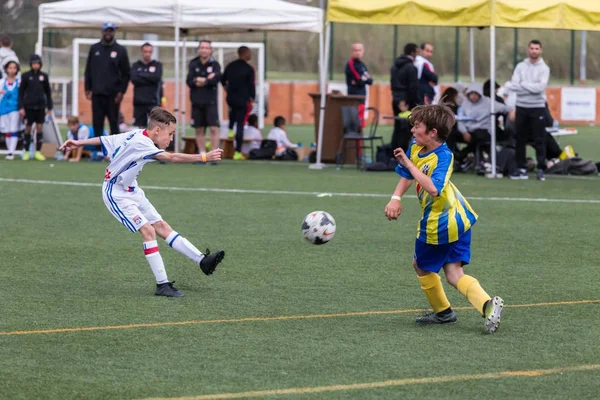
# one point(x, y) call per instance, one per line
point(296, 193)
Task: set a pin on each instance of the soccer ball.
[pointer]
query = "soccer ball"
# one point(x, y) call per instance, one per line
point(318, 227)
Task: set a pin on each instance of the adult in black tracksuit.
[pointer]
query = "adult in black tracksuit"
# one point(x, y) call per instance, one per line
point(35, 96)
point(146, 76)
point(203, 78)
point(239, 81)
point(404, 82)
point(106, 80)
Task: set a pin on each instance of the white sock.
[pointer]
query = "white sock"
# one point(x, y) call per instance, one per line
point(156, 262)
point(12, 144)
point(182, 245)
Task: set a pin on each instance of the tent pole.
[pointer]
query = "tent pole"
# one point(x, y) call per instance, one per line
point(456, 54)
point(572, 60)
point(582, 58)
point(493, 103)
point(471, 55)
point(177, 66)
point(40, 40)
point(261, 85)
point(324, 55)
point(183, 91)
point(395, 42)
point(516, 48)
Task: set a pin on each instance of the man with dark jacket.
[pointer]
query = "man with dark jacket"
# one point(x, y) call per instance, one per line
point(146, 76)
point(203, 78)
point(35, 96)
point(404, 83)
point(106, 80)
point(357, 75)
point(239, 81)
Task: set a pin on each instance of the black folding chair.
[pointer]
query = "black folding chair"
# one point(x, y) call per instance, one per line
point(353, 133)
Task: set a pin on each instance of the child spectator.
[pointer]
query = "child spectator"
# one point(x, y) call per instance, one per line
point(10, 120)
point(77, 131)
point(279, 135)
point(252, 134)
point(35, 96)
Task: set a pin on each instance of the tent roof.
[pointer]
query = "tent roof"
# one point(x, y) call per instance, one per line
point(548, 14)
point(160, 16)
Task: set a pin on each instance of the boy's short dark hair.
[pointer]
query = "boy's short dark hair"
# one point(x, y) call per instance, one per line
point(279, 121)
point(425, 44)
point(5, 41)
point(12, 62)
point(535, 41)
point(159, 115)
point(252, 120)
point(72, 120)
point(410, 48)
point(146, 45)
point(434, 116)
point(242, 50)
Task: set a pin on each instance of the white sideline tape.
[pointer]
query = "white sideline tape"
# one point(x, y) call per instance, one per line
point(298, 193)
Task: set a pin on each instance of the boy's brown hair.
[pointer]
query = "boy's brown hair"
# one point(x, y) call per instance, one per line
point(159, 115)
point(434, 116)
point(72, 120)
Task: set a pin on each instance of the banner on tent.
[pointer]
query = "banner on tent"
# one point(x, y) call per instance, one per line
point(578, 104)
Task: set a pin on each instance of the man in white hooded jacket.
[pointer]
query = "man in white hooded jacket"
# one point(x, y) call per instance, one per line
point(6, 54)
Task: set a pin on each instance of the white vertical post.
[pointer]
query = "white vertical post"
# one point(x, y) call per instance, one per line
point(324, 54)
point(177, 66)
point(493, 103)
point(75, 75)
point(471, 55)
point(64, 115)
point(261, 86)
point(221, 61)
point(183, 90)
point(583, 58)
point(40, 40)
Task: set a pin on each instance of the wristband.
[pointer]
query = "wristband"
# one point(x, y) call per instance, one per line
point(203, 157)
point(397, 198)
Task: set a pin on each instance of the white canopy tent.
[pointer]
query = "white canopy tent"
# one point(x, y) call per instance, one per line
point(171, 16)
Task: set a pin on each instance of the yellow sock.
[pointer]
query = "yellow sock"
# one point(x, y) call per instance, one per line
point(431, 284)
point(472, 290)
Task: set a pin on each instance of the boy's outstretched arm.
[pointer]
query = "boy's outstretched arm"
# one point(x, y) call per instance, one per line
point(75, 144)
point(394, 208)
point(211, 156)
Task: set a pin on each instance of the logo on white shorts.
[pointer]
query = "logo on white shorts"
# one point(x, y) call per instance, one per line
point(137, 220)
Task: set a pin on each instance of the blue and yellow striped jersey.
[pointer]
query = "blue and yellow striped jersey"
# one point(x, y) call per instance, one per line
point(448, 215)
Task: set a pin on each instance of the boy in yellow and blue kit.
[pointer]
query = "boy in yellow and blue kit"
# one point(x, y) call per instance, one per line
point(444, 231)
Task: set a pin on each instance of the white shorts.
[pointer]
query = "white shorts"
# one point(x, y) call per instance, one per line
point(132, 209)
point(11, 122)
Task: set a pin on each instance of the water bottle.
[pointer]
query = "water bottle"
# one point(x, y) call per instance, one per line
point(555, 125)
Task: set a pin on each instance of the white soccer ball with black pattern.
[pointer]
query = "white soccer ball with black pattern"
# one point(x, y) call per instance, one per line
point(318, 227)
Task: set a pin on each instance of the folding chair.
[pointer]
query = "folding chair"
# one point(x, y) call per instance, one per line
point(353, 133)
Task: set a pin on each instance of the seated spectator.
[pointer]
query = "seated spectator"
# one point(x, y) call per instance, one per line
point(475, 130)
point(451, 99)
point(252, 135)
point(279, 135)
point(77, 131)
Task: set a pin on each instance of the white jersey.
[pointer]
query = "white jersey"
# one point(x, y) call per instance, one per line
point(128, 153)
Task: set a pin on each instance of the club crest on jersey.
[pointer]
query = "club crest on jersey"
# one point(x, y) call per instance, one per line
point(113, 54)
point(425, 169)
point(209, 70)
point(152, 69)
point(41, 78)
point(137, 220)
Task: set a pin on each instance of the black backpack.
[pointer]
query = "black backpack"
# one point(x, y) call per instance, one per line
point(573, 166)
point(266, 151)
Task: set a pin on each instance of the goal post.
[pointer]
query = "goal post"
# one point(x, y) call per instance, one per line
point(223, 52)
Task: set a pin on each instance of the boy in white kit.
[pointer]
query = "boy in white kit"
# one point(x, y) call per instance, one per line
point(126, 201)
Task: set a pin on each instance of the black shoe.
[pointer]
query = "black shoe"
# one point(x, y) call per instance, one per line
point(439, 318)
point(210, 261)
point(540, 175)
point(168, 290)
point(519, 174)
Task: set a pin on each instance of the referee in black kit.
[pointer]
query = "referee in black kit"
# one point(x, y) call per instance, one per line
point(146, 77)
point(106, 80)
